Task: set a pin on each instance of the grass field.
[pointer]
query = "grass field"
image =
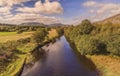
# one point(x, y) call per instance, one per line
point(10, 36)
point(7, 33)
point(107, 65)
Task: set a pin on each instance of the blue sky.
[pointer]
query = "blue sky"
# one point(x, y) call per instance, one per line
point(56, 11)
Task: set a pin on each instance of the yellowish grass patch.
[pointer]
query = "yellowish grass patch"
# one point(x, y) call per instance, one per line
point(14, 37)
point(108, 65)
point(52, 34)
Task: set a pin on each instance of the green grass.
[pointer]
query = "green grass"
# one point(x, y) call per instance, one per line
point(13, 36)
point(26, 48)
point(7, 33)
point(15, 66)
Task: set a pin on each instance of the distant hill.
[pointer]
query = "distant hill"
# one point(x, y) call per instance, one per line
point(114, 20)
point(40, 24)
point(32, 24)
point(56, 24)
point(3, 24)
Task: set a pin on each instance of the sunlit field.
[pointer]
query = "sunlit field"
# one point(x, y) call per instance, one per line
point(7, 33)
point(10, 36)
point(107, 65)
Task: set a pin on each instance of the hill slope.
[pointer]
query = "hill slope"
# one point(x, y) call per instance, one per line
point(114, 19)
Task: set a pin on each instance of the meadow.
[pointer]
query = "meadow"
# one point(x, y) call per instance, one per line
point(7, 33)
point(13, 36)
point(107, 65)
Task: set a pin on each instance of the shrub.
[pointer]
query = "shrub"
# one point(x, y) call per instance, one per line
point(85, 27)
point(89, 45)
point(113, 44)
point(39, 36)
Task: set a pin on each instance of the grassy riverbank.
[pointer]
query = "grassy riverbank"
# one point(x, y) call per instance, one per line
point(107, 65)
point(15, 66)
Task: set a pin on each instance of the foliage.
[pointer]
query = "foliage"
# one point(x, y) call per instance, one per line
point(16, 43)
point(89, 45)
point(85, 27)
point(97, 39)
point(39, 35)
point(113, 44)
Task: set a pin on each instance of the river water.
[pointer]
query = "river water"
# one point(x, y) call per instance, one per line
point(60, 60)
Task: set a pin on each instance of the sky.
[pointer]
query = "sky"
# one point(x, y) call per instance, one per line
point(56, 11)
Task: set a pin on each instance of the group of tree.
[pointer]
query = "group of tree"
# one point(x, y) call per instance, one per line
point(95, 38)
point(19, 28)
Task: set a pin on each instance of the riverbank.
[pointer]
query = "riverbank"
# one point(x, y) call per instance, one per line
point(59, 57)
point(107, 65)
point(87, 62)
point(99, 42)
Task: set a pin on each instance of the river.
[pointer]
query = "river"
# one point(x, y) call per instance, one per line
point(60, 60)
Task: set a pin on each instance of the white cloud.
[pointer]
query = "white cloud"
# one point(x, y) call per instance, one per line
point(45, 8)
point(7, 5)
point(5, 10)
point(23, 18)
point(89, 3)
point(28, 14)
point(100, 11)
point(11, 2)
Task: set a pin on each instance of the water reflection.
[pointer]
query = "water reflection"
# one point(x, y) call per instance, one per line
point(59, 60)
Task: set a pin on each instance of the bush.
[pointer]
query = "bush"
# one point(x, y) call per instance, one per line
point(85, 27)
point(26, 40)
point(39, 36)
point(113, 44)
point(89, 45)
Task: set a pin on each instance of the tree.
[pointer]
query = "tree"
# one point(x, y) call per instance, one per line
point(90, 45)
point(85, 27)
point(39, 35)
point(113, 44)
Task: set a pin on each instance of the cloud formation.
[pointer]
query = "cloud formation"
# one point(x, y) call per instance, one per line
point(29, 14)
point(11, 2)
point(5, 10)
point(7, 5)
point(44, 8)
point(102, 10)
point(23, 18)
point(89, 3)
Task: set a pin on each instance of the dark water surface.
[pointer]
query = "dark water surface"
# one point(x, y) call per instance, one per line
point(60, 60)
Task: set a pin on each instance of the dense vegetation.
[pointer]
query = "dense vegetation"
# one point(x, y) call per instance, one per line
point(98, 42)
point(95, 39)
